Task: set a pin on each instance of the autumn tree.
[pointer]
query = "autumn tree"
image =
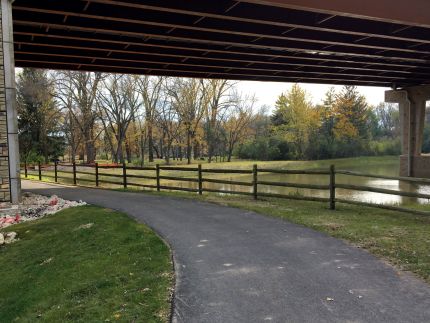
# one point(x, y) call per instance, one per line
point(294, 119)
point(350, 110)
point(189, 102)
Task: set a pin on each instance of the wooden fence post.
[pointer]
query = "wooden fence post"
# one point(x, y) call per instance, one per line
point(332, 188)
point(74, 173)
point(55, 172)
point(97, 174)
point(40, 171)
point(254, 180)
point(157, 170)
point(25, 170)
point(124, 174)
point(200, 180)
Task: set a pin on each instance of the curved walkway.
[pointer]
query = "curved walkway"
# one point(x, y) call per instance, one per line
point(238, 266)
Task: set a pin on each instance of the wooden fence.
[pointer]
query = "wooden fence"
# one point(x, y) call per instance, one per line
point(97, 178)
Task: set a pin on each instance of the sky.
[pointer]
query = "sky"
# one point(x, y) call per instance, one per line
point(267, 92)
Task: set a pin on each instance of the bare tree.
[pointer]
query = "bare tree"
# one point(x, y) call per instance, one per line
point(389, 119)
point(218, 98)
point(168, 120)
point(71, 130)
point(189, 102)
point(236, 124)
point(118, 104)
point(81, 88)
point(150, 88)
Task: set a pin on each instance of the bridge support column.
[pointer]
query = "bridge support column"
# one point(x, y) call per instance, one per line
point(412, 108)
point(10, 182)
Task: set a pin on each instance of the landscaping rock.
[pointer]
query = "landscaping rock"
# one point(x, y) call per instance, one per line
point(9, 237)
point(1, 239)
point(32, 207)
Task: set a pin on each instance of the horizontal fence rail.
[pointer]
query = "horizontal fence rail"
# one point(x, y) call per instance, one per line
point(95, 174)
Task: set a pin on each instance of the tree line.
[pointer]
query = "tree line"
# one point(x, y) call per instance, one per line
point(129, 118)
point(136, 119)
point(343, 125)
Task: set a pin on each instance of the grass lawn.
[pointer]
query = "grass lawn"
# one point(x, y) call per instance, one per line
point(115, 270)
point(297, 164)
point(401, 239)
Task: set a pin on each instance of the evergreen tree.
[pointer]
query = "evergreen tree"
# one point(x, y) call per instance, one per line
point(38, 117)
point(351, 112)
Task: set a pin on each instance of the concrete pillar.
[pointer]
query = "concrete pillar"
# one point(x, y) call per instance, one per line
point(412, 108)
point(10, 186)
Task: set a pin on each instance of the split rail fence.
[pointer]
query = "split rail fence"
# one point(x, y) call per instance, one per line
point(97, 177)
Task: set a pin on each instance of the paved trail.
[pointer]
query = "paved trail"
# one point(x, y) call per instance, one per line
point(238, 266)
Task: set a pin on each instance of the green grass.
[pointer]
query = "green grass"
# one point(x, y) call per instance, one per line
point(243, 163)
point(401, 239)
point(116, 270)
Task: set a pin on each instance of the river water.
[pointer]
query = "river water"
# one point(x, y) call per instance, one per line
point(391, 170)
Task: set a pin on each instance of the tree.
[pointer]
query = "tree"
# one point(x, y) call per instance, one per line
point(189, 102)
point(150, 88)
point(82, 88)
point(294, 118)
point(351, 112)
point(168, 120)
point(217, 96)
point(388, 119)
point(71, 130)
point(39, 117)
point(118, 104)
point(324, 137)
point(237, 122)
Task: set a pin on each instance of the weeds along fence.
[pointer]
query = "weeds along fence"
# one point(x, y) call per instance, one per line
point(121, 176)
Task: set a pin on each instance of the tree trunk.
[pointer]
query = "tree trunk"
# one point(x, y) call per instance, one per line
point(155, 149)
point(142, 150)
point(150, 143)
point(167, 153)
point(119, 153)
point(161, 148)
point(128, 150)
point(189, 148)
point(90, 150)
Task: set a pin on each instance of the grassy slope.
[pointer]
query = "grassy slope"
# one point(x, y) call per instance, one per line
point(402, 239)
point(115, 270)
point(296, 164)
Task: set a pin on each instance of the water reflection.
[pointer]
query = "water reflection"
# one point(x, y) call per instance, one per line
point(323, 180)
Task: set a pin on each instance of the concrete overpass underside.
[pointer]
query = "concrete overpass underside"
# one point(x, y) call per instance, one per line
point(371, 43)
